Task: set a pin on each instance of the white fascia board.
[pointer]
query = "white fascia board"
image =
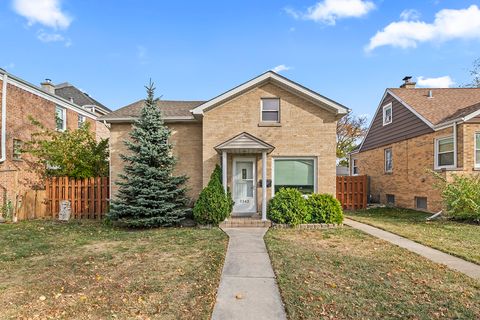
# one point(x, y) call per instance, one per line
point(380, 105)
point(24, 85)
point(133, 119)
point(268, 76)
point(406, 105)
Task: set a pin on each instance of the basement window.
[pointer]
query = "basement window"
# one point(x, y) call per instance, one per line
point(421, 203)
point(390, 199)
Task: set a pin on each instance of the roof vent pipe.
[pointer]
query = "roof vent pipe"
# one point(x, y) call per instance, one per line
point(430, 93)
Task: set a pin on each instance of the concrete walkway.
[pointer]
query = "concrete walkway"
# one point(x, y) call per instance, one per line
point(468, 268)
point(248, 288)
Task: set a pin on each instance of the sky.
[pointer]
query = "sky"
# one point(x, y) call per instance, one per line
point(347, 50)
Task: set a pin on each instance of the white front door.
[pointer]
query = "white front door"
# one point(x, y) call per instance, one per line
point(244, 185)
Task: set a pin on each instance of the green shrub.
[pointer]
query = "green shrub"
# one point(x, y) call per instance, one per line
point(461, 196)
point(213, 205)
point(288, 206)
point(324, 208)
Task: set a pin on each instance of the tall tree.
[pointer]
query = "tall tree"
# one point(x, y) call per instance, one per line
point(149, 194)
point(475, 73)
point(350, 130)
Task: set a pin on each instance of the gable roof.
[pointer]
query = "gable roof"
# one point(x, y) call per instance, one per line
point(283, 82)
point(446, 104)
point(68, 91)
point(171, 110)
point(244, 143)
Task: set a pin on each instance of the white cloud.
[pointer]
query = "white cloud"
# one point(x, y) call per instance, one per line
point(329, 11)
point(45, 12)
point(410, 14)
point(53, 37)
point(448, 24)
point(281, 68)
point(440, 82)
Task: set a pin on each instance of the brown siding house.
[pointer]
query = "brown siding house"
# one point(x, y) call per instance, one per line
point(417, 131)
point(265, 133)
point(20, 100)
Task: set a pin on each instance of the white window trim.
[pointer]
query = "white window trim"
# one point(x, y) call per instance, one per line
point(436, 166)
point(353, 167)
point(385, 107)
point(475, 165)
point(315, 170)
point(261, 110)
point(385, 160)
point(64, 114)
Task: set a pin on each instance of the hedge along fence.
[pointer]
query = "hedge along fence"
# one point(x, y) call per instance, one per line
point(88, 197)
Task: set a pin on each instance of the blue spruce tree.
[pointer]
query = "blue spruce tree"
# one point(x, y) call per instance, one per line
point(149, 194)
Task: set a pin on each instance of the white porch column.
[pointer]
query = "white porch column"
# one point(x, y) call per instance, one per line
point(224, 170)
point(264, 186)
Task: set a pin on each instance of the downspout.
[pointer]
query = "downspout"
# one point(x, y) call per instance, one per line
point(3, 156)
point(455, 159)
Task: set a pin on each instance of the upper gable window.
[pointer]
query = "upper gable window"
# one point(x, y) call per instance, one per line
point(270, 110)
point(387, 114)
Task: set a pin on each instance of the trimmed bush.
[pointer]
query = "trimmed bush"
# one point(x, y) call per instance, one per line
point(288, 206)
point(213, 205)
point(461, 196)
point(324, 208)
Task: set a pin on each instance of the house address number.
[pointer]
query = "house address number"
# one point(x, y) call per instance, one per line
point(244, 200)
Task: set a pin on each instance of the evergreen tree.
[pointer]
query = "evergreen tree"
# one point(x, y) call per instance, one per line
point(149, 194)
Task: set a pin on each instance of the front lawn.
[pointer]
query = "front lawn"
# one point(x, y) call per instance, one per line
point(87, 270)
point(346, 274)
point(457, 238)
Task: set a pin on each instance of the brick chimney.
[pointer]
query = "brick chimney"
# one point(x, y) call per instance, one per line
point(407, 83)
point(48, 86)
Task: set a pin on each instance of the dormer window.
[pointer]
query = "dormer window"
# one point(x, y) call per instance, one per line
point(270, 110)
point(387, 114)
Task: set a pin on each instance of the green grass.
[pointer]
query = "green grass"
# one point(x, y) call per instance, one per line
point(346, 274)
point(87, 270)
point(457, 238)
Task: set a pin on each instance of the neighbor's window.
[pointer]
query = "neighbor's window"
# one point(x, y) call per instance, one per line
point(421, 203)
point(444, 152)
point(387, 114)
point(477, 150)
point(294, 173)
point(17, 149)
point(270, 110)
point(81, 120)
point(60, 118)
point(354, 167)
point(388, 160)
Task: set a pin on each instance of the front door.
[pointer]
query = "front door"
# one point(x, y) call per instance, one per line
point(244, 177)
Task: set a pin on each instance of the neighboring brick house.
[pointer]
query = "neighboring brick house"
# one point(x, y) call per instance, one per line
point(266, 133)
point(416, 131)
point(19, 100)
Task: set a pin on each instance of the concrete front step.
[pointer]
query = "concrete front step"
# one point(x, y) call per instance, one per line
point(245, 222)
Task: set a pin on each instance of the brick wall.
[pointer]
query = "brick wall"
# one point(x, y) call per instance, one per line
point(16, 177)
point(187, 141)
point(306, 130)
point(413, 161)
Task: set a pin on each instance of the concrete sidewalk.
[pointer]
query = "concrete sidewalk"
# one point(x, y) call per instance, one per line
point(248, 288)
point(468, 268)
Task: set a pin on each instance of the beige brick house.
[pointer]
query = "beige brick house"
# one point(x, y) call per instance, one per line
point(20, 100)
point(266, 133)
point(416, 131)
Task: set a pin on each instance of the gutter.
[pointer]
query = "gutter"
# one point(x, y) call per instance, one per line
point(3, 151)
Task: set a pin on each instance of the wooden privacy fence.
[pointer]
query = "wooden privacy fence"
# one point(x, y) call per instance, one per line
point(88, 197)
point(352, 192)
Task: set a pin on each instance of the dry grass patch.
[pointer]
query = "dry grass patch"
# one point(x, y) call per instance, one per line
point(457, 238)
point(92, 271)
point(345, 274)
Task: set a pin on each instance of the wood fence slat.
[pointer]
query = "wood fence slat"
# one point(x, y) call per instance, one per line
point(352, 192)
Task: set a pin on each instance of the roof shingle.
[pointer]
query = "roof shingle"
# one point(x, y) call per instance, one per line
point(444, 105)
